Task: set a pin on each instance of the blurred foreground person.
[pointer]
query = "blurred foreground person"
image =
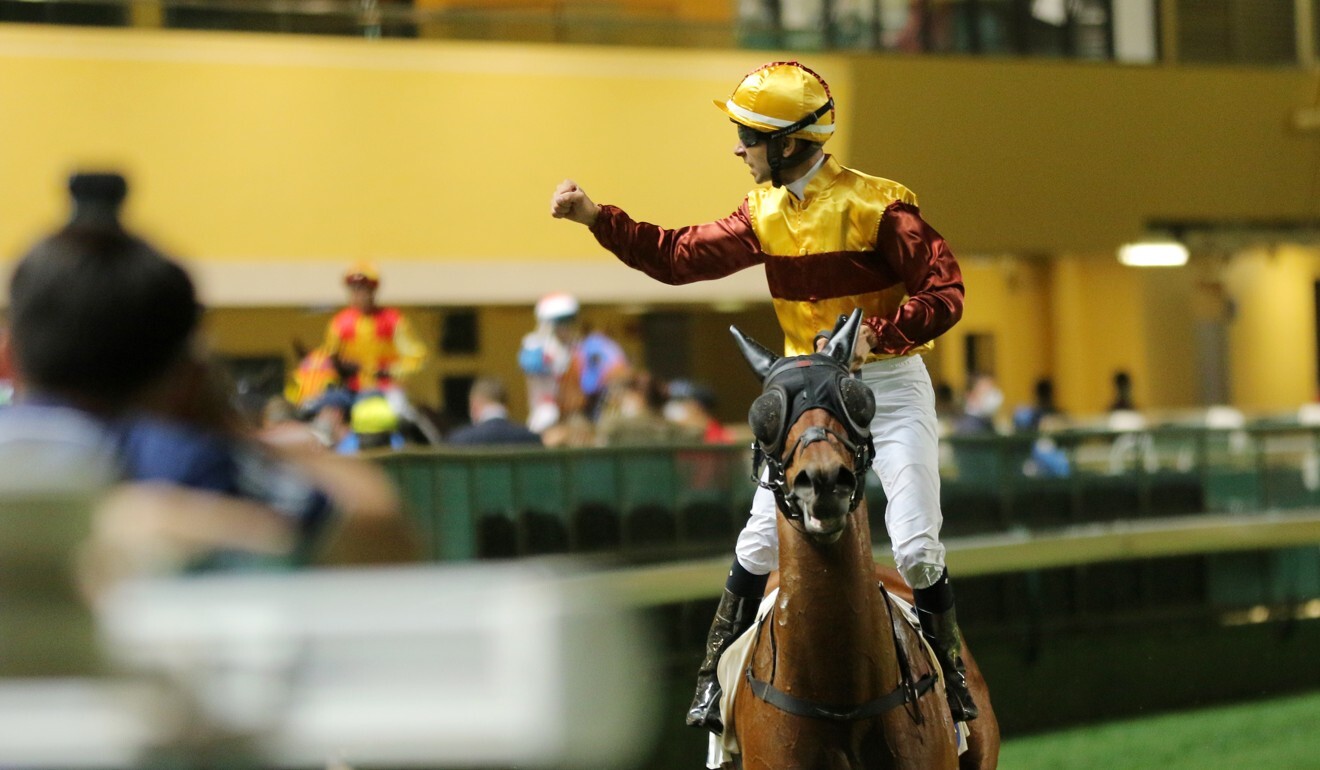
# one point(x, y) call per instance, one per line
point(106, 352)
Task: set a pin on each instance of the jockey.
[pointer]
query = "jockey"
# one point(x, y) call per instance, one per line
point(375, 344)
point(566, 371)
point(831, 239)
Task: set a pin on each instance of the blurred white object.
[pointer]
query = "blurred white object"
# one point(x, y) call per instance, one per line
point(470, 665)
point(71, 723)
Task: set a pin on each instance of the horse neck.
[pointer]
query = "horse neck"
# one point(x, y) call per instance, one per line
point(829, 600)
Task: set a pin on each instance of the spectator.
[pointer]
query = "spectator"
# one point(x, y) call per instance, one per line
point(375, 346)
point(979, 407)
point(692, 406)
point(946, 406)
point(330, 419)
point(375, 425)
point(488, 404)
point(1027, 419)
point(630, 415)
point(1122, 393)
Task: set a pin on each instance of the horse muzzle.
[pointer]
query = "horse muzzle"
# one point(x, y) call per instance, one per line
point(825, 499)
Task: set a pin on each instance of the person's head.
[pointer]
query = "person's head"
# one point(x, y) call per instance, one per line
point(486, 392)
point(329, 414)
point(559, 311)
point(362, 280)
point(784, 113)
point(97, 315)
point(983, 397)
point(689, 403)
point(1045, 393)
point(374, 421)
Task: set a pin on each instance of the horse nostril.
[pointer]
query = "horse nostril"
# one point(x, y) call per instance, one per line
point(845, 480)
point(803, 482)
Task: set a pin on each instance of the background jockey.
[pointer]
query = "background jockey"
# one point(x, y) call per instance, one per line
point(375, 346)
point(567, 371)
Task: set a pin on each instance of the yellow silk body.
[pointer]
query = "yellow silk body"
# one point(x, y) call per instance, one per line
point(840, 212)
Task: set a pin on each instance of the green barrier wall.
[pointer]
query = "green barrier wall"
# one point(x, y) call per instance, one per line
point(674, 501)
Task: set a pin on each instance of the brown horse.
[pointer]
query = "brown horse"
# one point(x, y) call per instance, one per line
point(835, 680)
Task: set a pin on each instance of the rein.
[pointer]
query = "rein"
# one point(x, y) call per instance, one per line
point(907, 691)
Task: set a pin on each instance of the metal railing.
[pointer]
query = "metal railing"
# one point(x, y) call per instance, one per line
point(674, 502)
point(1017, 27)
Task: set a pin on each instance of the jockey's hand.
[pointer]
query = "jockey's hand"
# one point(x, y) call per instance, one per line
point(570, 202)
point(865, 344)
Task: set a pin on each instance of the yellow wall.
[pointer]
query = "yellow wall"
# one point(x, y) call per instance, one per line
point(274, 161)
point(1098, 322)
point(1009, 298)
point(1272, 342)
point(250, 147)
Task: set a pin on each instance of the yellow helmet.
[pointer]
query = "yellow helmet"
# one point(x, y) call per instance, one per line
point(783, 99)
point(373, 414)
point(362, 273)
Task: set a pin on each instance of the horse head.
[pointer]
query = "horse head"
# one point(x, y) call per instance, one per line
point(812, 427)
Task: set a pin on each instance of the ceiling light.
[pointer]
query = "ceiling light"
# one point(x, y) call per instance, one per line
point(1162, 253)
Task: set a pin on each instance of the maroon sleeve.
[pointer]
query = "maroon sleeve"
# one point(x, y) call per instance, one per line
point(923, 261)
point(685, 255)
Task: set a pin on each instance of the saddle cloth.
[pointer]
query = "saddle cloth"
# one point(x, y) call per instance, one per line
point(721, 748)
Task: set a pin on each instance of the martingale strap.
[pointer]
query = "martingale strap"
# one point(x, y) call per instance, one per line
point(804, 708)
point(906, 692)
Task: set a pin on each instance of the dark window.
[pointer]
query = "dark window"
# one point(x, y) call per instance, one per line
point(96, 14)
point(979, 354)
point(460, 333)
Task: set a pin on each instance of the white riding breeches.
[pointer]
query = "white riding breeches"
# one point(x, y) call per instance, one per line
point(906, 439)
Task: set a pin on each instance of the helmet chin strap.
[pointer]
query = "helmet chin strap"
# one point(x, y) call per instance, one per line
point(774, 153)
point(774, 150)
point(774, 146)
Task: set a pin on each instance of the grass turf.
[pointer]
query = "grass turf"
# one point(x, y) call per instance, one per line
point(1279, 733)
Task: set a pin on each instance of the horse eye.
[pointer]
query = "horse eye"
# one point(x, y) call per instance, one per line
point(858, 401)
point(766, 417)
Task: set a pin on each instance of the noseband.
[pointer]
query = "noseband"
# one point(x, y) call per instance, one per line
point(790, 389)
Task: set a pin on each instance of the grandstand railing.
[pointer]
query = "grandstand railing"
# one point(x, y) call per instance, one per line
point(1080, 30)
point(673, 502)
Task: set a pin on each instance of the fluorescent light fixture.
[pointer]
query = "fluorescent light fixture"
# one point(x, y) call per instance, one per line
point(1167, 253)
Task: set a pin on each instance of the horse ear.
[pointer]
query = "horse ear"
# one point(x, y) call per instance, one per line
point(758, 357)
point(840, 346)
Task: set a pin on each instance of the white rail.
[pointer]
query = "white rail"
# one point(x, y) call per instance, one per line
point(1014, 552)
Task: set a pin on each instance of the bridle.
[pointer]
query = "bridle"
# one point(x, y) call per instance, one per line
point(792, 387)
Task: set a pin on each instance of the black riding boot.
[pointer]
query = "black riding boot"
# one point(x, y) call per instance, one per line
point(734, 615)
point(939, 624)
